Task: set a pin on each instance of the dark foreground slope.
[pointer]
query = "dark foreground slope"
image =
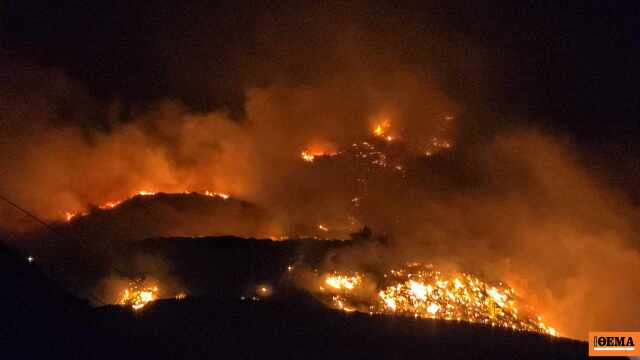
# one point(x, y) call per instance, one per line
point(41, 320)
point(295, 328)
point(226, 266)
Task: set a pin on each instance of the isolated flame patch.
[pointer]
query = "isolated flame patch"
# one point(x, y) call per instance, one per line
point(137, 295)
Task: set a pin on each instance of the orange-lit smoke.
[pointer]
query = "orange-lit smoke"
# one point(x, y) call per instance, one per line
point(516, 204)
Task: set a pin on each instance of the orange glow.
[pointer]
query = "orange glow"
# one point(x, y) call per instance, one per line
point(318, 149)
point(306, 156)
point(216, 194)
point(69, 215)
point(264, 290)
point(110, 205)
point(420, 291)
point(137, 295)
point(381, 127)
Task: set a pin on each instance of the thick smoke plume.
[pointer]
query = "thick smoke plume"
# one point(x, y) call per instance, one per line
point(514, 203)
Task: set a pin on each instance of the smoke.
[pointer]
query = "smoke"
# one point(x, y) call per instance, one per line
point(513, 203)
point(531, 215)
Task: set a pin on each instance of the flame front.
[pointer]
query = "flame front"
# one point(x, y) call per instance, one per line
point(68, 216)
point(307, 156)
point(340, 282)
point(137, 295)
point(381, 129)
point(318, 149)
point(420, 291)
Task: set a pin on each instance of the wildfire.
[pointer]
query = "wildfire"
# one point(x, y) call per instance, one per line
point(382, 128)
point(306, 156)
point(317, 150)
point(216, 194)
point(137, 295)
point(436, 144)
point(420, 291)
point(109, 205)
point(68, 216)
point(338, 281)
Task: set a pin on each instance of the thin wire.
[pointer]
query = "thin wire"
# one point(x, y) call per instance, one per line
point(145, 209)
point(62, 236)
point(48, 274)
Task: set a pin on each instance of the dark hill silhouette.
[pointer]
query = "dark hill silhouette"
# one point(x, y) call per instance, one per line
point(296, 327)
point(161, 214)
point(41, 319)
point(39, 316)
point(228, 265)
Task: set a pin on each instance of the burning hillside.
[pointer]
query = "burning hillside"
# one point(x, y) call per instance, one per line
point(70, 215)
point(402, 187)
point(422, 292)
point(331, 124)
point(234, 267)
point(150, 214)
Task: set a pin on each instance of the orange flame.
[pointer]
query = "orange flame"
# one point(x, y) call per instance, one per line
point(318, 149)
point(69, 215)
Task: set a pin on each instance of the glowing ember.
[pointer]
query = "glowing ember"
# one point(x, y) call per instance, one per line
point(339, 282)
point(323, 228)
point(317, 150)
point(306, 156)
point(381, 129)
point(109, 205)
point(216, 194)
point(264, 290)
point(70, 215)
point(137, 295)
point(420, 291)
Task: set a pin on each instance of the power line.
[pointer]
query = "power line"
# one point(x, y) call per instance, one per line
point(22, 255)
point(80, 241)
point(61, 236)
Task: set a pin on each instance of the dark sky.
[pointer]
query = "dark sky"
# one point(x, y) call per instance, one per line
point(571, 68)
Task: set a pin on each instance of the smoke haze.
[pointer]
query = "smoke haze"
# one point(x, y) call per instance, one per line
point(511, 201)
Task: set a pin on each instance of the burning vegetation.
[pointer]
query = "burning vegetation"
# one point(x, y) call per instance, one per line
point(69, 215)
point(318, 149)
point(138, 294)
point(404, 161)
point(421, 291)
